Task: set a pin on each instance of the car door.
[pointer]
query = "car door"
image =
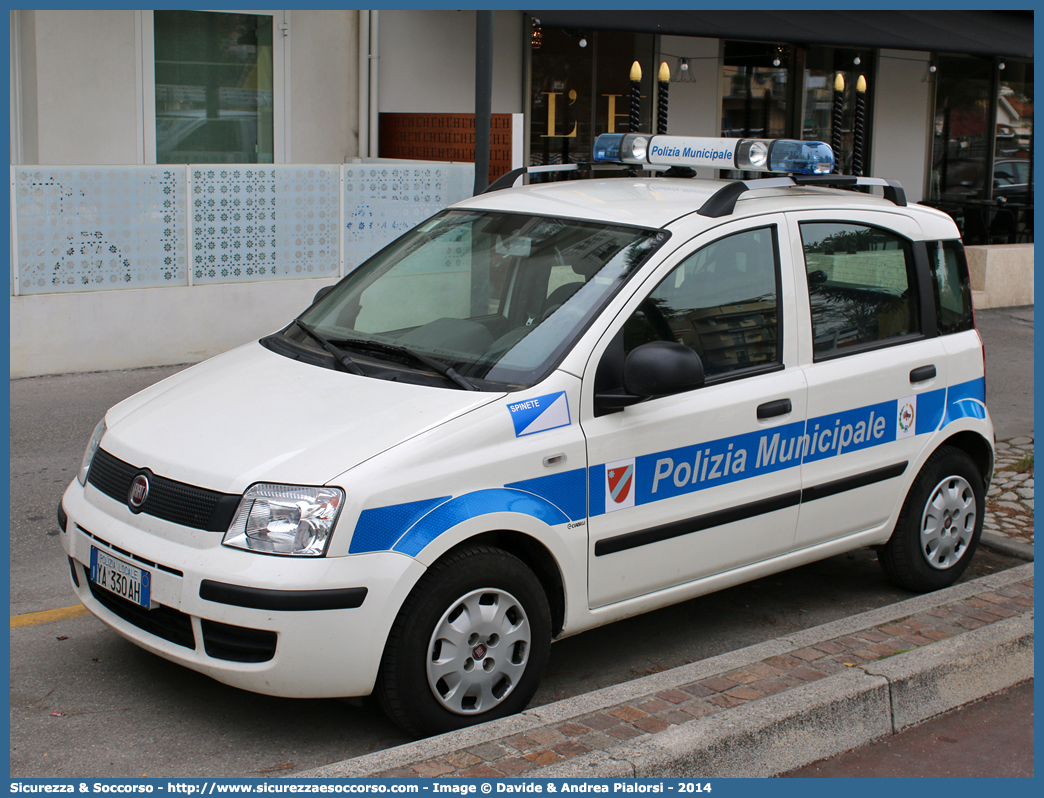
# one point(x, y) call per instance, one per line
point(680, 486)
point(876, 371)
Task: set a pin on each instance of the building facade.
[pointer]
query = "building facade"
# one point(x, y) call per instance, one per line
point(947, 110)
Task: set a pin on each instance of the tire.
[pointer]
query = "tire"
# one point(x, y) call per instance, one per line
point(940, 524)
point(469, 644)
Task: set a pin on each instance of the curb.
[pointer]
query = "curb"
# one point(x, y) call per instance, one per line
point(1005, 545)
point(811, 717)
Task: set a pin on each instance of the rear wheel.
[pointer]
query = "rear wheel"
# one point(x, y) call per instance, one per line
point(939, 527)
point(469, 644)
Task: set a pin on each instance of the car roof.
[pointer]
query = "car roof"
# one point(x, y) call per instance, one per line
point(658, 201)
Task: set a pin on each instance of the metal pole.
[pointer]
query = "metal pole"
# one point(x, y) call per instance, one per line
point(483, 96)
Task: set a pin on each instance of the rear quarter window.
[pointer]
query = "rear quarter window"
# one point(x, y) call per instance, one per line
point(951, 287)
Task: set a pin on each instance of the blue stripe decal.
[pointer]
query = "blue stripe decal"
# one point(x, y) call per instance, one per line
point(378, 529)
point(482, 502)
point(930, 406)
point(561, 498)
point(967, 400)
point(565, 491)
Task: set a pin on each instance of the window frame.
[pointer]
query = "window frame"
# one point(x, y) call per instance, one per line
point(145, 22)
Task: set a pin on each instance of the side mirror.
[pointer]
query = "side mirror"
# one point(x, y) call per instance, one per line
point(660, 368)
point(326, 289)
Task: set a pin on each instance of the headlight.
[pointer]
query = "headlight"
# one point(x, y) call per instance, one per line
point(92, 448)
point(285, 519)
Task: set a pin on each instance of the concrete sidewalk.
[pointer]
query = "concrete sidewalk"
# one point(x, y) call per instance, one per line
point(759, 711)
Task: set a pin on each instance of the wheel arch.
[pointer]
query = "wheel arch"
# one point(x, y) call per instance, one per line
point(536, 556)
point(976, 447)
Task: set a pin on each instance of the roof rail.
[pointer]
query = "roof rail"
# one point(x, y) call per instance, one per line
point(723, 202)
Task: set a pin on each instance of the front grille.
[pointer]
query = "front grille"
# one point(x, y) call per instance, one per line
point(168, 500)
point(237, 643)
point(165, 622)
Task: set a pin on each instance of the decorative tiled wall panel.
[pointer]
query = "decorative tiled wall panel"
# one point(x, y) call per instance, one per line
point(382, 201)
point(90, 228)
point(263, 222)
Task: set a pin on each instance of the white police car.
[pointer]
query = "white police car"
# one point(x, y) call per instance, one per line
point(545, 409)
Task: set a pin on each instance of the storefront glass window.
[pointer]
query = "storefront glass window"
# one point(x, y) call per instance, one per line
point(759, 99)
point(984, 181)
point(754, 90)
point(213, 87)
point(579, 92)
point(962, 120)
point(822, 67)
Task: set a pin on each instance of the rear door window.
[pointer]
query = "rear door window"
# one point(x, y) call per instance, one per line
point(861, 285)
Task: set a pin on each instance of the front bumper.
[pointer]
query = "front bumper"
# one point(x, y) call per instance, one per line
point(282, 626)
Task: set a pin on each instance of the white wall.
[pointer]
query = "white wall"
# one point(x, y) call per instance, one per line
point(427, 62)
point(105, 330)
point(86, 94)
point(694, 107)
point(324, 87)
point(902, 120)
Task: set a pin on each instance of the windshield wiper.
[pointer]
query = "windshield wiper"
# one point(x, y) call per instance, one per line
point(435, 365)
point(340, 358)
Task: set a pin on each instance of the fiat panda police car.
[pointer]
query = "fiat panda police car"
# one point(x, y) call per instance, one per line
point(544, 409)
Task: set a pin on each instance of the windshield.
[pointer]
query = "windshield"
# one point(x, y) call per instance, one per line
point(497, 297)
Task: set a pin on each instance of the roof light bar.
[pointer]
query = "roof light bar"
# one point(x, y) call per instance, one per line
point(754, 155)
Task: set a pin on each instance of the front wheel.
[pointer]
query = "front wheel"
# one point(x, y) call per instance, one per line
point(939, 527)
point(469, 644)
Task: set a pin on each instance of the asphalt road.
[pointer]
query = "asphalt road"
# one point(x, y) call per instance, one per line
point(86, 703)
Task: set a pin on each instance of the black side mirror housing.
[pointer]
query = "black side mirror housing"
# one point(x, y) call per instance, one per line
point(662, 368)
point(659, 368)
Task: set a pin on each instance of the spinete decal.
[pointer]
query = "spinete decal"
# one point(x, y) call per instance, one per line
point(540, 413)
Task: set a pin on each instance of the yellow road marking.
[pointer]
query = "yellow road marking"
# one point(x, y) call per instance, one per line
point(47, 616)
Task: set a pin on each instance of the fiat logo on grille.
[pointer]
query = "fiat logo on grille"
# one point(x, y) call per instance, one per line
point(139, 492)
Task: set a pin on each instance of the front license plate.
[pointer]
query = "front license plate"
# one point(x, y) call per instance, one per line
point(119, 577)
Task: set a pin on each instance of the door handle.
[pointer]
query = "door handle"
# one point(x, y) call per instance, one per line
point(922, 373)
point(780, 407)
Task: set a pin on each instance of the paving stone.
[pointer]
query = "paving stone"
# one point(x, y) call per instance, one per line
point(726, 700)
point(653, 705)
point(718, 684)
point(462, 759)
point(572, 748)
point(599, 721)
point(543, 757)
point(746, 693)
point(677, 696)
point(489, 751)
point(514, 765)
point(433, 768)
point(652, 725)
point(628, 713)
point(625, 732)
point(742, 676)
